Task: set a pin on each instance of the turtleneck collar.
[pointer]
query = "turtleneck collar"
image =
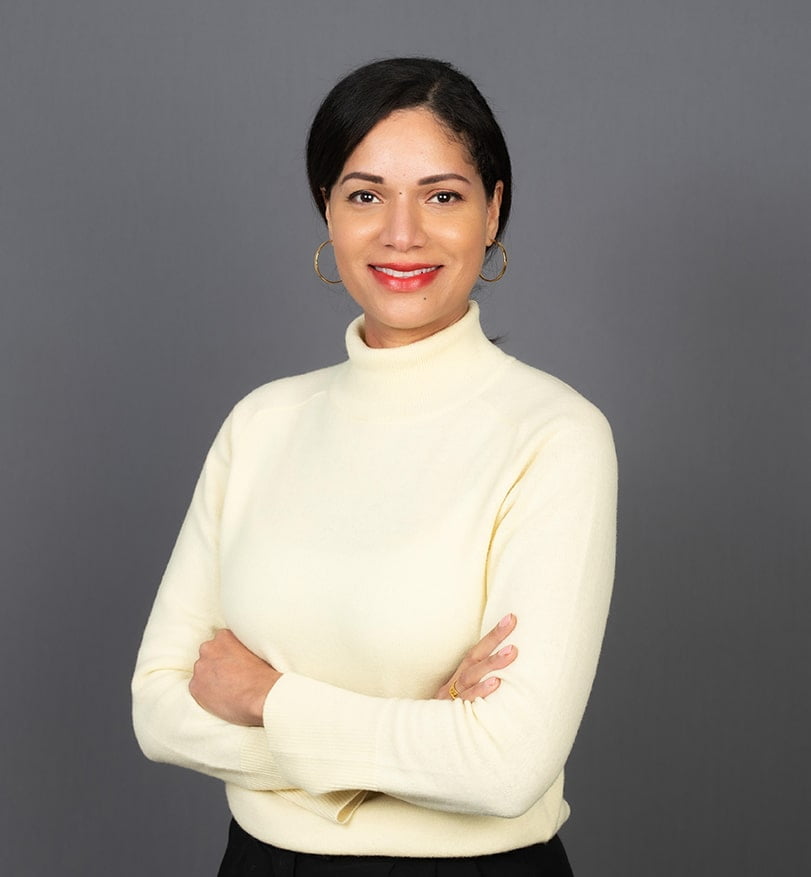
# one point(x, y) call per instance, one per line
point(425, 377)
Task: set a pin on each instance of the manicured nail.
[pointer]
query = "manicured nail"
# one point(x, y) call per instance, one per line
point(506, 620)
point(507, 650)
point(492, 682)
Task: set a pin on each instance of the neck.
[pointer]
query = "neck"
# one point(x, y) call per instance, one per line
point(379, 336)
point(429, 375)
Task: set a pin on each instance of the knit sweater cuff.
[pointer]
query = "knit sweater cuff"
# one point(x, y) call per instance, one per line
point(255, 761)
point(334, 806)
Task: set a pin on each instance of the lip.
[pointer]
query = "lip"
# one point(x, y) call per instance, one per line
point(409, 277)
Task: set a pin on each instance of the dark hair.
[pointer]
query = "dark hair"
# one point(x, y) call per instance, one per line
point(372, 92)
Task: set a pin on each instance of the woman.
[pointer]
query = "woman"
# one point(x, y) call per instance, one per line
point(329, 636)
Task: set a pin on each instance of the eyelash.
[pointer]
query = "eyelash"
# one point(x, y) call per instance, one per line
point(358, 197)
point(452, 196)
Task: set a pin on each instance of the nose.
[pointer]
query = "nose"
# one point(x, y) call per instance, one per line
point(403, 227)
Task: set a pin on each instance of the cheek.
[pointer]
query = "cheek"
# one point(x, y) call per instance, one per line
point(350, 262)
point(347, 263)
point(464, 236)
point(341, 247)
point(349, 240)
point(470, 244)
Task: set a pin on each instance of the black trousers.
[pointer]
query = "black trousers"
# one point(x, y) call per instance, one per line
point(245, 855)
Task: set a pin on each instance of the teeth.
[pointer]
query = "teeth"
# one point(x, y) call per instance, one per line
point(392, 273)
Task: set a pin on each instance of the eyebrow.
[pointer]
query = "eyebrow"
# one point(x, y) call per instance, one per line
point(425, 181)
point(440, 178)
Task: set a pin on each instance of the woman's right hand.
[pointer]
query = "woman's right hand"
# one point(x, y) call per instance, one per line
point(468, 680)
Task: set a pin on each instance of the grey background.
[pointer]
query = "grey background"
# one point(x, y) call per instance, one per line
point(155, 265)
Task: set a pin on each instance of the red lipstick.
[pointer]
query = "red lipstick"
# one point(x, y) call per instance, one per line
point(404, 277)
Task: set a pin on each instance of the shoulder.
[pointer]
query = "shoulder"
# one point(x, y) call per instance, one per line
point(562, 441)
point(283, 394)
point(536, 402)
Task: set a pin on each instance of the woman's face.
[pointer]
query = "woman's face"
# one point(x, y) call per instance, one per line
point(409, 220)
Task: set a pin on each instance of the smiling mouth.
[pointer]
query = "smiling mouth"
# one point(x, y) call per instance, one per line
point(414, 272)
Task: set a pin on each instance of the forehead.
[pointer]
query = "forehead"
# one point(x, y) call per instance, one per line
point(412, 142)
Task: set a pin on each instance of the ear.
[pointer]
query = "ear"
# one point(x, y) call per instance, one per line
point(326, 209)
point(493, 212)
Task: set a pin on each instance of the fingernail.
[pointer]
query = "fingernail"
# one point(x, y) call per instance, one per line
point(492, 682)
point(506, 620)
point(507, 650)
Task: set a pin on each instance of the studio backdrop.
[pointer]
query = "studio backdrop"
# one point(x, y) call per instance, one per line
point(156, 242)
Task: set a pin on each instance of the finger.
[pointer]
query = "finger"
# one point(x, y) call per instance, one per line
point(490, 641)
point(207, 644)
point(473, 674)
point(480, 689)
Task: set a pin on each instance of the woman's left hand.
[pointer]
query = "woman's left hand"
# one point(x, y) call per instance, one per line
point(468, 680)
point(230, 681)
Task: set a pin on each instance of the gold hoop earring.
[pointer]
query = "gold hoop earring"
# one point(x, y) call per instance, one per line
point(503, 265)
point(317, 269)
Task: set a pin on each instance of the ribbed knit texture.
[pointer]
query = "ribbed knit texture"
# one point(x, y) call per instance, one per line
point(360, 527)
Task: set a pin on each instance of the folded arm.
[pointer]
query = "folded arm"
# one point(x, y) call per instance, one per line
point(551, 562)
point(169, 724)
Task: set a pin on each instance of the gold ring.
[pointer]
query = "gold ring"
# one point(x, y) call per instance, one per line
point(453, 691)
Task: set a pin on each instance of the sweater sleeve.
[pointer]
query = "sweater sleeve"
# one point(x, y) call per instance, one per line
point(169, 724)
point(551, 562)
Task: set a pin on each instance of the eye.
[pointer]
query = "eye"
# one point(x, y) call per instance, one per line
point(364, 196)
point(445, 197)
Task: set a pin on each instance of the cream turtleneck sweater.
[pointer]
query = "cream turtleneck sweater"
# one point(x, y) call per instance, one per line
point(360, 527)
